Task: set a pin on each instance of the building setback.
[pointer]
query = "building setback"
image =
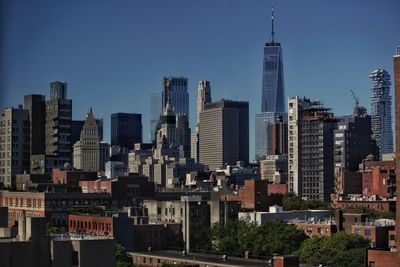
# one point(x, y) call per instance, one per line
point(126, 129)
point(87, 149)
point(58, 124)
point(203, 98)
point(14, 144)
point(224, 133)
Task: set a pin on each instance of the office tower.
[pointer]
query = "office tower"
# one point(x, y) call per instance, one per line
point(58, 90)
point(176, 90)
point(263, 133)
point(273, 95)
point(14, 144)
point(224, 133)
point(173, 135)
point(278, 136)
point(203, 98)
point(156, 110)
point(273, 90)
point(58, 124)
point(76, 128)
point(353, 143)
point(126, 129)
point(87, 149)
point(36, 106)
point(396, 63)
point(381, 111)
point(310, 139)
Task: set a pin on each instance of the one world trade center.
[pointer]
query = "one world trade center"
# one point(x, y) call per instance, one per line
point(273, 95)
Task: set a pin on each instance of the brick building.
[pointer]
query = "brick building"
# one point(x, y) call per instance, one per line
point(72, 177)
point(378, 178)
point(378, 205)
point(312, 228)
point(124, 190)
point(55, 207)
point(377, 232)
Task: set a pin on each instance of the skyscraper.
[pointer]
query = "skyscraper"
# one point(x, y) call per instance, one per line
point(381, 111)
point(273, 90)
point(87, 149)
point(36, 106)
point(273, 95)
point(224, 133)
point(156, 110)
point(14, 144)
point(310, 138)
point(353, 143)
point(176, 90)
point(263, 137)
point(126, 129)
point(203, 98)
point(58, 90)
point(58, 123)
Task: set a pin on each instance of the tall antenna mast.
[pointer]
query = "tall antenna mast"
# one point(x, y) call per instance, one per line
point(272, 25)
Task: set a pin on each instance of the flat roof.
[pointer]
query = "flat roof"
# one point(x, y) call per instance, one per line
point(206, 259)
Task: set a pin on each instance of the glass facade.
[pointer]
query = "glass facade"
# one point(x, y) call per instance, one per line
point(381, 111)
point(176, 88)
point(155, 113)
point(273, 91)
point(262, 136)
point(126, 129)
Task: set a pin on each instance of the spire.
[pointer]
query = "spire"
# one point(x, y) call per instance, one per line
point(272, 25)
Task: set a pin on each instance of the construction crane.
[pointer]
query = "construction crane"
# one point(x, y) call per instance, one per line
point(355, 97)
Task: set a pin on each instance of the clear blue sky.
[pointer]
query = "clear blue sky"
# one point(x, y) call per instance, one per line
point(114, 53)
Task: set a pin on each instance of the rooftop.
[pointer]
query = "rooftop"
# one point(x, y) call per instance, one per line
point(206, 259)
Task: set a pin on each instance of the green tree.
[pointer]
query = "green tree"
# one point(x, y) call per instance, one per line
point(122, 258)
point(339, 250)
point(293, 202)
point(261, 240)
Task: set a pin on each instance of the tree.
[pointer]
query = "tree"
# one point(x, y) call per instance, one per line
point(122, 258)
point(261, 240)
point(339, 250)
point(293, 202)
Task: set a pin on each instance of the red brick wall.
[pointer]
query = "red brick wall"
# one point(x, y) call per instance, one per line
point(99, 225)
point(381, 258)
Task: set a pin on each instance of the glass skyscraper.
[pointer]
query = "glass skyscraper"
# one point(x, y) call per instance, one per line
point(156, 110)
point(126, 129)
point(273, 90)
point(176, 88)
point(381, 111)
point(273, 95)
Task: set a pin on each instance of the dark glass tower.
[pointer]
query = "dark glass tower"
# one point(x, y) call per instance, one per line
point(126, 129)
point(273, 90)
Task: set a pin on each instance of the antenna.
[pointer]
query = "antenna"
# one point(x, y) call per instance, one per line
point(355, 97)
point(272, 25)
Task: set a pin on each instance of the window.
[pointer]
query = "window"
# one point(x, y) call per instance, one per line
point(367, 232)
point(357, 231)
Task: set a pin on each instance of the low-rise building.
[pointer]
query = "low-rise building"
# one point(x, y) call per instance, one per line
point(377, 232)
point(54, 206)
point(277, 214)
point(317, 228)
point(72, 177)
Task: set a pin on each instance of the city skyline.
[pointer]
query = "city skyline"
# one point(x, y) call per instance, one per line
point(98, 63)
